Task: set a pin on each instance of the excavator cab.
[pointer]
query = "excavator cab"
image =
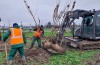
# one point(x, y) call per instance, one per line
point(90, 26)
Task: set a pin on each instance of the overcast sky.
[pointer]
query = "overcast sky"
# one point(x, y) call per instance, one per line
point(15, 10)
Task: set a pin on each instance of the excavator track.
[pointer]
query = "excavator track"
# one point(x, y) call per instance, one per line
point(84, 44)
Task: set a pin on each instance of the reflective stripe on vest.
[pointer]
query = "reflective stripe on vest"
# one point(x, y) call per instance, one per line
point(16, 36)
point(13, 35)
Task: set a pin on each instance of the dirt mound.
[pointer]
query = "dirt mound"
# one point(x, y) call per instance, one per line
point(34, 57)
point(95, 61)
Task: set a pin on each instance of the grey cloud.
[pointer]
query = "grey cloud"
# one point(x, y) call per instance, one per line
point(15, 10)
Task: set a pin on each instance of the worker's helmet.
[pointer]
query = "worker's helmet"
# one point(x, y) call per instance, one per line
point(15, 24)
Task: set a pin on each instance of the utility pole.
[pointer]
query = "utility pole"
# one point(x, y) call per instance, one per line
point(3, 29)
point(21, 25)
point(30, 28)
point(39, 22)
point(0, 29)
point(9, 24)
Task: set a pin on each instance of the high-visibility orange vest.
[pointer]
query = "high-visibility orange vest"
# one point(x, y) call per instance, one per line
point(16, 36)
point(37, 34)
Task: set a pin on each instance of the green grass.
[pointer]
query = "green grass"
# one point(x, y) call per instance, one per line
point(2, 57)
point(47, 32)
point(68, 34)
point(72, 58)
point(28, 34)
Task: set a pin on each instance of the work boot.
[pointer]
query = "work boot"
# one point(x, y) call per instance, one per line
point(39, 45)
point(31, 46)
point(24, 60)
point(10, 62)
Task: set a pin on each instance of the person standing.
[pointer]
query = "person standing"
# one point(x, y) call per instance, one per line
point(17, 41)
point(42, 29)
point(36, 37)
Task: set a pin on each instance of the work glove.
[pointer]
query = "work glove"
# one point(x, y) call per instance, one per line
point(38, 37)
point(25, 43)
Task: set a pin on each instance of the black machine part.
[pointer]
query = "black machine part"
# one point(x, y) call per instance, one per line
point(69, 19)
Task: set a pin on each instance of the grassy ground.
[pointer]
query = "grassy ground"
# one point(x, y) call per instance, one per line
point(47, 32)
point(71, 57)
point(2, 55)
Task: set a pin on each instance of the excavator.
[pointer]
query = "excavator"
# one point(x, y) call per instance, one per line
point(89, 29)
point(87, 36)
point(90, 24)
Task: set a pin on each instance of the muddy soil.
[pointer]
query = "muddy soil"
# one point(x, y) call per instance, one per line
point(34, 56)
point(2, 46)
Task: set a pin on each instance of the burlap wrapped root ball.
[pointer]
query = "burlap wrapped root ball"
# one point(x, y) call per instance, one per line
point(47, 44)
point(58, 48)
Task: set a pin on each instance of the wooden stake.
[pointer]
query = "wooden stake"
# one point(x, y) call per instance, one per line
point(6, 52)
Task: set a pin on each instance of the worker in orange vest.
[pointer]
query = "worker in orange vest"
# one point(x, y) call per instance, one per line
point(36, 37)
point(17, 41)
